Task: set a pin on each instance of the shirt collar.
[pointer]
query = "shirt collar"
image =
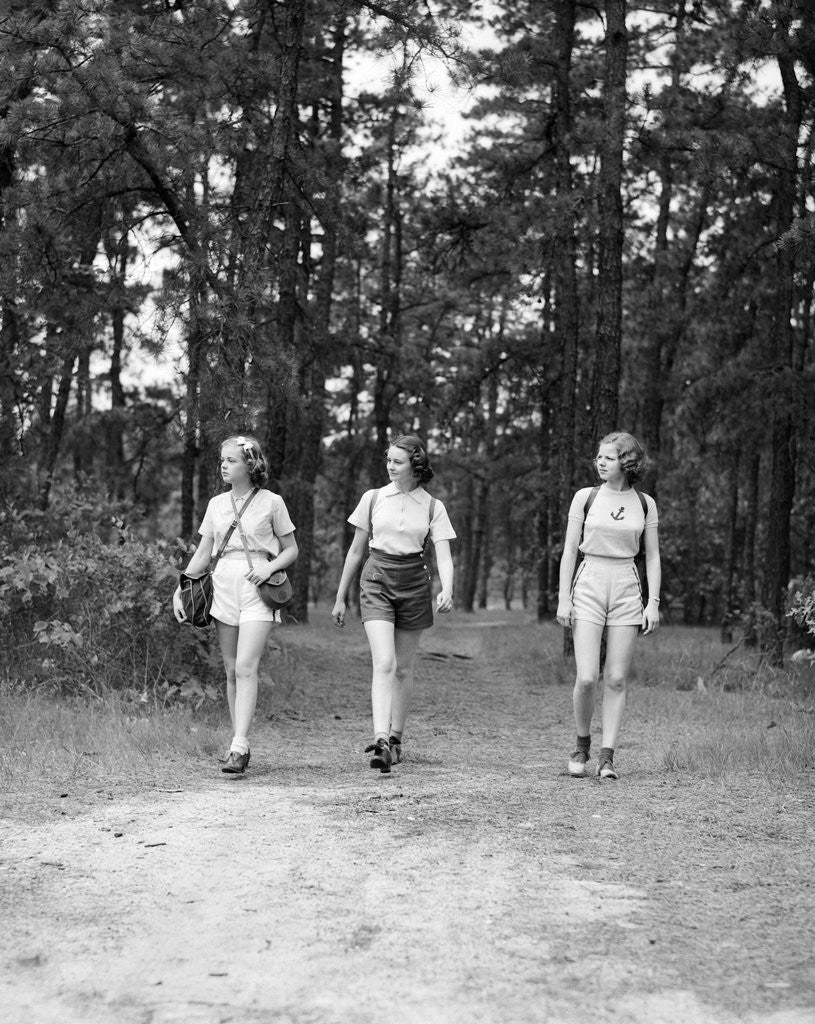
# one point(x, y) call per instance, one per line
point(418, 494)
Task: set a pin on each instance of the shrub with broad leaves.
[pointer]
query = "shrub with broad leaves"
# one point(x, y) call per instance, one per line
point(85, 605)
point(802, 612)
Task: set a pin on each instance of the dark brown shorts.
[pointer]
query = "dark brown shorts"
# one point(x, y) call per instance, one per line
point(396, 588)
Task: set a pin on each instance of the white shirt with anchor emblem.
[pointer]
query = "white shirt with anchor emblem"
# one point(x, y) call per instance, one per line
point(615, 521)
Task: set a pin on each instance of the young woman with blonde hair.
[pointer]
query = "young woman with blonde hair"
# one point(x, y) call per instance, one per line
point(606, 525)
point(243, 622)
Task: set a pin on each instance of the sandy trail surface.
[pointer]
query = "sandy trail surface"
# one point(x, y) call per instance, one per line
point(476, 883)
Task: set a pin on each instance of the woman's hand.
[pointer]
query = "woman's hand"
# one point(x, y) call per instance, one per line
point(650, 618)
point(564, 612)
point(260, 575)
point(178, 607)
point(338, 613)
point(444, 601)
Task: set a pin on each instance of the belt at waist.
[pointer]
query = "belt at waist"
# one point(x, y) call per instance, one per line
point(385, 558)
point(609, 560)
point(242, 553)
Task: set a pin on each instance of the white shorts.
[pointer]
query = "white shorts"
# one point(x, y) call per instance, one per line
point(234, 598)
point(606, 591)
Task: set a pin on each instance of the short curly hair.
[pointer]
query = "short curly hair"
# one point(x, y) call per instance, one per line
point(633, 460)
point(419, 460)
point(249, 448)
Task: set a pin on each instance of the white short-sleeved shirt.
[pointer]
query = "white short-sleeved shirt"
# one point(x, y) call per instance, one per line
point(615, 521)
point(401, 521)
point(265, 520)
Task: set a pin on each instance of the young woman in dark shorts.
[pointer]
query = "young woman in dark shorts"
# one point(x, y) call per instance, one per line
point(395, 595)
point(605, 594)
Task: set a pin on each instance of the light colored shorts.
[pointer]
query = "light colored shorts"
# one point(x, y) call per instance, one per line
point(606, 591)
point(234, 598)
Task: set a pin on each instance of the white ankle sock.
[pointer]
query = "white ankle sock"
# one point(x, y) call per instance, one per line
point(240, 744)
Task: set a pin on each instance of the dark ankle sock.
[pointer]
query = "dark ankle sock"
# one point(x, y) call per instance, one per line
point(584, 743)
point(607, 754)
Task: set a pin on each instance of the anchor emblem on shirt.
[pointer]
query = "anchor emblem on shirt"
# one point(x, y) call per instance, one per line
point(619, 514)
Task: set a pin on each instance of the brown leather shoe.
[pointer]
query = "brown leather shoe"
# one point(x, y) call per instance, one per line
point(236, 763)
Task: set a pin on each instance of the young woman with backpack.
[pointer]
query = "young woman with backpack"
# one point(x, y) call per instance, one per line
point(396, 522)
point(607, 526)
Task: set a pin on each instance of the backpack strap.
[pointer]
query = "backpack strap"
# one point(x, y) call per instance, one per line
point(371, 507)
point(429, 524)
point(589, 502)
point(644, 504)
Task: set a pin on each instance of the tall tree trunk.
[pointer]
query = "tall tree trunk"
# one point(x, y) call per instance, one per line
point(730, 555)
point(566, 305)
point(83, 460)
point(318, 353)
point(117, 258)
point(467, 546)
point(57, 424)
point(661, 276)
point(196, 343)
point(558, 430)
point(751, 509)
point(610, 216)
point(386, 385)
point(487, 554)
point(281, 194)
point(562, 438)
point(782, 469)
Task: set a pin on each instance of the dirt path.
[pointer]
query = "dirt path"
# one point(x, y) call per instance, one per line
point(477, 883)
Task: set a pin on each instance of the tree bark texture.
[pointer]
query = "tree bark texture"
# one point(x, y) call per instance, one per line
point(566, 300)
point(782, 469)
point(610, 218)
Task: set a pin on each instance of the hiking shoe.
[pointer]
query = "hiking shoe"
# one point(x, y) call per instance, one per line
point(381, 756)
point(236, 763)
point(579, 764)
point(396, 750)
point(606, 769)
point(223, 760)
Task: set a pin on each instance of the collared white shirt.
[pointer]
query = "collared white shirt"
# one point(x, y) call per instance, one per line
point(401, 520)
point(265, 520)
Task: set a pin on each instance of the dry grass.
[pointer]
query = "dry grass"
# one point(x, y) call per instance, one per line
point(48, 742)
point(742, 717)
point(732, 713)
point(696, 706)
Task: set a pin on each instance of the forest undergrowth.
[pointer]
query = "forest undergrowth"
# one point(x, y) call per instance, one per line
point(700, 708)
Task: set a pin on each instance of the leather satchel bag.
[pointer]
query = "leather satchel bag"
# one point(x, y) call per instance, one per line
point(196, 591)
point(276, 592)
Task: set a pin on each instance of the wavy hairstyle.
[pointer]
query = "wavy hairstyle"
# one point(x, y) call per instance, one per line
point(633, 460)
point(419, 460)
point(249, 448)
